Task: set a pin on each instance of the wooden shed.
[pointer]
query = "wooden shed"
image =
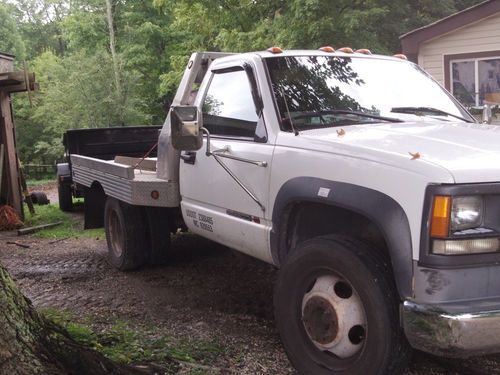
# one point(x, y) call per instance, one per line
point(11, 81)
point(462, 52)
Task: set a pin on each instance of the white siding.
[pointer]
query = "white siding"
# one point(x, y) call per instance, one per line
point(481, 36)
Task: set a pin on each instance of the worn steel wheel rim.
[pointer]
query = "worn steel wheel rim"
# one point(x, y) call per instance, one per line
point(333, 316)
point(115, 233)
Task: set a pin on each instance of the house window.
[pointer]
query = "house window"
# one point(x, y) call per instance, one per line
point(476, 81)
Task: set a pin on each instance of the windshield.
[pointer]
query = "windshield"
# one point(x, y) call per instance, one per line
point(319, 91)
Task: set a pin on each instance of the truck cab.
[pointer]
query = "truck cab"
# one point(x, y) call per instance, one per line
point(371, 188)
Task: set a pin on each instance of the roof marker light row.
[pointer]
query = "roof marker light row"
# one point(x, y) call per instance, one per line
point(330, 49)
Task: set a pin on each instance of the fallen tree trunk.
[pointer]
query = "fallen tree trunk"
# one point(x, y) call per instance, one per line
point(31, 344)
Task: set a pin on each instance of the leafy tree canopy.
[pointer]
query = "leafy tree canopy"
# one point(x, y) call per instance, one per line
point(67, 44)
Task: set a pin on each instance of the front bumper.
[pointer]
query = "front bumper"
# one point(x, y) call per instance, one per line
point(452, 332)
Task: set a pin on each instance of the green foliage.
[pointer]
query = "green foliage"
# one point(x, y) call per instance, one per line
point(71, 227)
point(31, 183)
point(128, 344)
point(67, 45)
point(10, 38)
point(86, 28)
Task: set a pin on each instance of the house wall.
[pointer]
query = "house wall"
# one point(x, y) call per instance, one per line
point(481, 36)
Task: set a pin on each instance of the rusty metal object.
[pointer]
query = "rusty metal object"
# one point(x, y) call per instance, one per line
point(320, 320)
point(333, 316)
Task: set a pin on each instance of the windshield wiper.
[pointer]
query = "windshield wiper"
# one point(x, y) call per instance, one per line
point(422, 111)
point(346, 112)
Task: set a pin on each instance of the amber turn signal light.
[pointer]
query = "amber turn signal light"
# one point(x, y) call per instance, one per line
point(327, 49)
point(400, 56)
point(346, 50)
point(274, 50)
point(364, 51)
point(440, 221)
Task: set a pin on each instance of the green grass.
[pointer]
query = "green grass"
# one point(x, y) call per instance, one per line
point(123, 343)
point(45, 181)
point(71, 227)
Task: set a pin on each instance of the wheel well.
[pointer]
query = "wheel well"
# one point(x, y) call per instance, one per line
point(95, 198)
point(307, 220)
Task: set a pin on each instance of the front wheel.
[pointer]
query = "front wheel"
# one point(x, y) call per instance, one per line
point(336, 308)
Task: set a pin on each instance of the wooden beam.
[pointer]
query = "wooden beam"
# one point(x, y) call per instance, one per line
point(20, 88)
point(6, 62)
point(23, 231)
point(16, 81)
point(15, 78)
point(8, 138)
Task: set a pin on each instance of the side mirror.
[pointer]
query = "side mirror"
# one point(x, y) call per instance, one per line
point(185, 123)
point(487, 115)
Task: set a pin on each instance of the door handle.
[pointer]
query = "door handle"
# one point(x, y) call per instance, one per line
point(225, 153)
point(189, 157)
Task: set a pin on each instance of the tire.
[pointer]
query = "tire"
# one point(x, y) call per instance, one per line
point(159, 223)
point(65, 197)
point(125, 235)
point(337, 309)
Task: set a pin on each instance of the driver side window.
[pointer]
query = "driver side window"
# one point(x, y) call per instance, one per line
point(228, 107)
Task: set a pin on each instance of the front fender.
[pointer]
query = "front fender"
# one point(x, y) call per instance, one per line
point(378, 207)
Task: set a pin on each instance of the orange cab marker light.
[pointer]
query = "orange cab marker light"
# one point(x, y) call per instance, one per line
point(327, 49)
point(364, 51)
point(400, 56)
point(274, 50)
point(440, 222)
point(346, 50)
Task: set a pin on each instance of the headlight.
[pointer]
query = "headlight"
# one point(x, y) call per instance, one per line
point(466, 212)
point(453, 219)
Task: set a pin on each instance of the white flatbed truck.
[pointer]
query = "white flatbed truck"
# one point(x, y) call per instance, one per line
point(371, 188)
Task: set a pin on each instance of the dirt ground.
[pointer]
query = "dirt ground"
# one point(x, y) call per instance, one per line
point(206, 292)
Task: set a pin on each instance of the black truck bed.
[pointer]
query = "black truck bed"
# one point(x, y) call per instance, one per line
point(106, 143)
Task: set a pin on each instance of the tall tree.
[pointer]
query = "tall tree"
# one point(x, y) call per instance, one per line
point(112, 48)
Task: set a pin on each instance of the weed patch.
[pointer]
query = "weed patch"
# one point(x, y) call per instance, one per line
point(124, 343)
point(72, 225)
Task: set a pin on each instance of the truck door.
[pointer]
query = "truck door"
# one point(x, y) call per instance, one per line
point(225, 197)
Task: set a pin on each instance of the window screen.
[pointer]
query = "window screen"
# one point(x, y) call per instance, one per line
point(464, 82)
point(489, 80)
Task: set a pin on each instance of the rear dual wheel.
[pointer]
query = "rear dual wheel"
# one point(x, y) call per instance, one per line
point(125, 235)
point(336, 308)
point(135, 235)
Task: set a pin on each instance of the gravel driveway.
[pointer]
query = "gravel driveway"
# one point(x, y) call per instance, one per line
point(206, 292)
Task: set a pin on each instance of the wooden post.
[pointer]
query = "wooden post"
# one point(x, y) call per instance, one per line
point(11, 81)
point(7, 137)
point(1, 167)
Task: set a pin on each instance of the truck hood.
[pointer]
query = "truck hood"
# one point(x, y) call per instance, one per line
point(470, 152)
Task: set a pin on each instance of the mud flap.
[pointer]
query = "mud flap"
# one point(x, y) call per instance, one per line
point(95, 199)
